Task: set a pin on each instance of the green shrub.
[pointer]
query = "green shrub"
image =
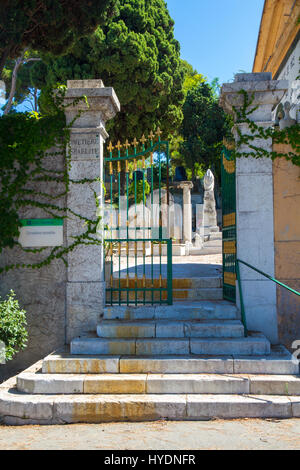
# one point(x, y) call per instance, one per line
point(12, 326)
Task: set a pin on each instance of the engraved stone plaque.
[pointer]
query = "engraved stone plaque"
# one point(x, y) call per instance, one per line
point(85, 146)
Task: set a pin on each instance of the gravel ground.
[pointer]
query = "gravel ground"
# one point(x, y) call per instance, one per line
point(247, 434)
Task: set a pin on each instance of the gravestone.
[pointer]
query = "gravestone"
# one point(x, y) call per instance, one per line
point(187, 186)
point(180, 174)
point(138, 174)
point(168, 218)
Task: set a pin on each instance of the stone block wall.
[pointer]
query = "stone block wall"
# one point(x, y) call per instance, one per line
point(41, 292)
point(64, 302)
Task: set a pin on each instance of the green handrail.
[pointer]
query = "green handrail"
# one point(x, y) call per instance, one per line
point(243, 314)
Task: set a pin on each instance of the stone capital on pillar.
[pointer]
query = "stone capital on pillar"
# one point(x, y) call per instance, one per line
point(101, 103)
point(85, 273)
point(260, 88)
point(186, 185)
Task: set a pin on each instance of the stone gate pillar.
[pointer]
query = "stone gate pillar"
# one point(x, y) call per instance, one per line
point(85, 292)
point(254, 192)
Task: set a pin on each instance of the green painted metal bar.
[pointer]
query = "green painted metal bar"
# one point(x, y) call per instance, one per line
point(135, 246)
point(169, 273)
point(111, 234)
point(116, 289)
point(127, 217)
point(228, 175)
point(152, 244)
point(119, 223)
point(243, 314)
point(269, 277)
point(137, 155)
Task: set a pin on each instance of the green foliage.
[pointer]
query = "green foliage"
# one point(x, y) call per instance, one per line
point(203, 128)
point(192, 77)
point(289, 136)
point(135, 53)
point(13, 331)
point(23, 140)
point(47, 25)
point(139, 190)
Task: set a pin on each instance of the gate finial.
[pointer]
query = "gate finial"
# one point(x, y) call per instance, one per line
point(110, 147)
point(135, 142)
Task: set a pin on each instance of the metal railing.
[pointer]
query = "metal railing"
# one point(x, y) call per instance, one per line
point(243, 313)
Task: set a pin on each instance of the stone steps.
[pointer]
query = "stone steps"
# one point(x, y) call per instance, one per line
point(202, 310)
point(198, 294)
point(167, 328)
point(179, 283)
point(256, 344)
point(95, 389)
point(178, 294)
point(17, 408)
point(115, 384)
point(278, 362)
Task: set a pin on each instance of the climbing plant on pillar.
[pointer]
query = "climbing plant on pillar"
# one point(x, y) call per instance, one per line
point(288, 135)
point(28, 143)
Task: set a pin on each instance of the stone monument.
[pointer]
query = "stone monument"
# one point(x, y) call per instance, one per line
point(210, 212)
point(187, 186)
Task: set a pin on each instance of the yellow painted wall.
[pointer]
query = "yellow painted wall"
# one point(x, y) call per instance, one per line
point(278, 29)
point(287, 244)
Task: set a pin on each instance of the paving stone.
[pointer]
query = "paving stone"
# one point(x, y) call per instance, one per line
point(115, 384)
point(176, 364)
point(68, 364)
point(169, 329)
point(50, 384)
point(112, 408)
point(196, 383)
point(123, 329)
point(255, 345)
point(177, 346)
point(236, 406)
point(274, 385)
point(214, 329)
point(102, 346)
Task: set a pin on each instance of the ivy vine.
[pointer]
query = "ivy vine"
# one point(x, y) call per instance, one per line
point(289, 135)
point(26, 140)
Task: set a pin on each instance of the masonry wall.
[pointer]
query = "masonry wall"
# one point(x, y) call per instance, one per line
point(41, 292)
point(287, 245)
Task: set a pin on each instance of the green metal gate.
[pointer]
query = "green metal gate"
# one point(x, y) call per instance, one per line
point(138, 248)
point(229, 223)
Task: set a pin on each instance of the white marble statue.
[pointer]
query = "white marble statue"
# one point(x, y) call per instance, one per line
point(210, 212)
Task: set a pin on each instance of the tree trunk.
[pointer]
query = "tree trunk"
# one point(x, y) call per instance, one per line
point(35, 100)
point(20, 61)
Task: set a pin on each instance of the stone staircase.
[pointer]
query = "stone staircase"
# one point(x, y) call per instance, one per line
point(193, 289)
point(189, 361)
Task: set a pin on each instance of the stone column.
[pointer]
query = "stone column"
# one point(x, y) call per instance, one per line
point(254, 192)
point(85, 294)
point(187, 186)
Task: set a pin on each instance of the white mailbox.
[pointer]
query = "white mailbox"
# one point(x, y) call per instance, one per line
point(41, 232)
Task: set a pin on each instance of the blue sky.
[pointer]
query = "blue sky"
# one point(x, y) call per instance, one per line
point(218, 37)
